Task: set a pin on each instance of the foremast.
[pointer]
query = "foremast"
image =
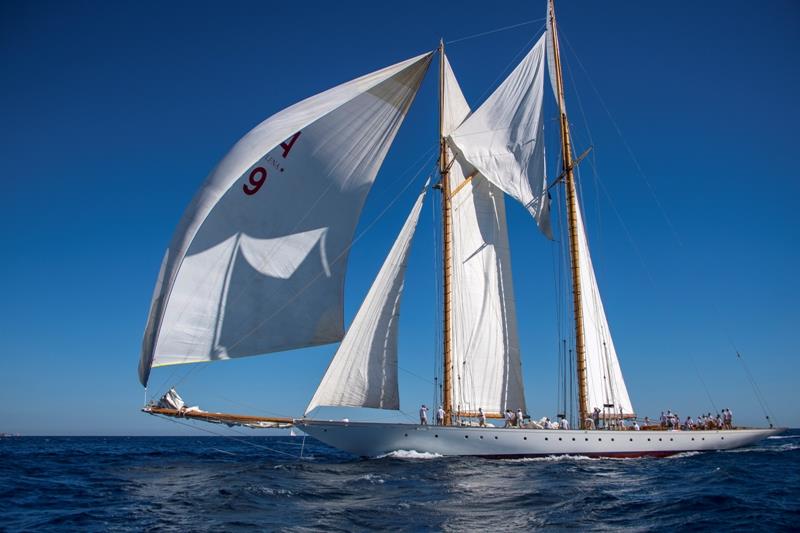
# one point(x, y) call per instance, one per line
point(572, 207)
point(447, 242)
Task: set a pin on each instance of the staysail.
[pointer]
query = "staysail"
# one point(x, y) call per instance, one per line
point(504, 138)
point(257, 262)
point(363, 373)
point(487, 372)
point(605, 384)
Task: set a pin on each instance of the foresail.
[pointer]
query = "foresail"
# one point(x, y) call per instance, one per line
point(605, 384)
point(504, 138)
point(486, 359)
point(257, 262)
point(363, 373)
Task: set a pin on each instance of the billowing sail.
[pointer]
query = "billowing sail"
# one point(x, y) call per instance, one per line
point(603, 374)
point(257, 262)
point(504, 138)
point(363, 373)
point(486, 360)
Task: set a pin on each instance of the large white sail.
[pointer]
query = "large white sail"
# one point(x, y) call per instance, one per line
point(257, 262)
point(504, 138)
point(487, 372)
point(363, 373)
point(605, 384)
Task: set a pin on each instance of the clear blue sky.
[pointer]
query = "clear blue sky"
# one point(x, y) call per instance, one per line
point(112, 113)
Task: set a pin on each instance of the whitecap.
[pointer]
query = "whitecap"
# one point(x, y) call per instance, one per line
point(409, 454)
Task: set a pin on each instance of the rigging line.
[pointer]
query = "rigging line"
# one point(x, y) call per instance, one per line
point(489, 32)
point(756, 390)
point(336, 259)
point(225, 435)
point(628, 148)
point(510, 63)
point(415, 375)
point(705, 387)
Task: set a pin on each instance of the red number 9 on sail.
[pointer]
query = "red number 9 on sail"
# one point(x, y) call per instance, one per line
point(256, 182)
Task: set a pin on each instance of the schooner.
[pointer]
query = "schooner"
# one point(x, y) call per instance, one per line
point(258, 260)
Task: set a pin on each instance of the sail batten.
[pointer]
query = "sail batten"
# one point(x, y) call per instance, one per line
point(257, 262)
point(363, 372)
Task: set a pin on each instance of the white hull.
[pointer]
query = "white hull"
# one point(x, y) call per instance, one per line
point(369, 439)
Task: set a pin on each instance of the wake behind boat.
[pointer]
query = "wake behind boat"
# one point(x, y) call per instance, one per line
point(257, 265)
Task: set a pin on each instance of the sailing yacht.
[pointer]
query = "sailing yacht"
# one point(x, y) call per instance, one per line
point(258, 260)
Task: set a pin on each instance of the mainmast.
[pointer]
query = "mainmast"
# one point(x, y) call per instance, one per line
point(447, 241)
point(572, 207)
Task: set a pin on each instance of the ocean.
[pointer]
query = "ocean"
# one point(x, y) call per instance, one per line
point(261, 483)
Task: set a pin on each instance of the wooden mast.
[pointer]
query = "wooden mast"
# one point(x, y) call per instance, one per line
point(572, 207)
point(447, 240)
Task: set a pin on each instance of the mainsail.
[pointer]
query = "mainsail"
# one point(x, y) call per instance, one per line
point(486, 356)
point(504, 138)
point(605, 385)
point(363, 373)
point(257, 262)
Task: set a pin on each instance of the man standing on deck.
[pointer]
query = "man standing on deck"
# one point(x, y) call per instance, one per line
point(440, 416)
point(519, 417)
point(423, 415)
point(481, 417)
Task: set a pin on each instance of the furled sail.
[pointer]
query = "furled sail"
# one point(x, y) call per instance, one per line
point(605, 384)
point(504, 138)
point(257, 262)
point(363, 373)
point(487, 371)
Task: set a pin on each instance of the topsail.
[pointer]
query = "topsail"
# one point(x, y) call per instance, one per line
point(503, 139)
point(257, 262)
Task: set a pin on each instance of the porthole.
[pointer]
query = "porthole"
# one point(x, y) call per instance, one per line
point(481, 436)
point(495, 437)
point(612, 439)
point(466, 436)
point(659, 439)
point(599, 440)
point(703, 438)
point(587, 439)
point(723, 438)
point(546, 438)
point(406, 434)
point(692, 438)
point(526, 438)
point(671, 439)
point(648, 439)
point(573, 439)
point(630, 440)
point(437, 436)
point(559, 438)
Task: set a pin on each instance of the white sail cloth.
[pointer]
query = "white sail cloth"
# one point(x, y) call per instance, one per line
point(363, 373)
point(257, 262)
point(504, 138)
point(605, 384)
point(487, 372)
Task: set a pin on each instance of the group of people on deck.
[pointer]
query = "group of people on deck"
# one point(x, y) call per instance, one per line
point(670, 420)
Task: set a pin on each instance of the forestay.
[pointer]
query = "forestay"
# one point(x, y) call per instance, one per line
point(487, 371)
point(504, 138)
point(605, 385)
point(363, 373)
point(257, 262)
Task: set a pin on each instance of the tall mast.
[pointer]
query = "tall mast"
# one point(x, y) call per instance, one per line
point(572, 207)
point(447, 241)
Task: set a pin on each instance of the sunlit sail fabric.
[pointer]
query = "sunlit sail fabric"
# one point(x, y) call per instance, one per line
point(363, 373)
point(257, 262)
point(504, 138)
point(487, 372)
point(605, 384)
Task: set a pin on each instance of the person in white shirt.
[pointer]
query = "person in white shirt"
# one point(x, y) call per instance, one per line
point(519, 417)
point(423, 415)
point(509, 418)
point(636, 426)
point(481, 417)
point(564, 423)
point(440, 416)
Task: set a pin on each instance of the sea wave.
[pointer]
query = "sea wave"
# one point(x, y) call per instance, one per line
point(409, 454)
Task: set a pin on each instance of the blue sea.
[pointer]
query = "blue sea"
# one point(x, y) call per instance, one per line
point(262, 483)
